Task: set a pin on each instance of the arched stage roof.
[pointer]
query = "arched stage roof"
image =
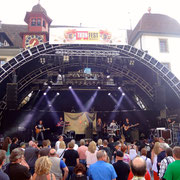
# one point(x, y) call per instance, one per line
point(132, 69)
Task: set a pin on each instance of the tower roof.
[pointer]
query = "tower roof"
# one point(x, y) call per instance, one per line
point(155, 24)
point(39, 8)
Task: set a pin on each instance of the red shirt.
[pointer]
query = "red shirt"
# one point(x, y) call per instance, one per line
point(147, 175)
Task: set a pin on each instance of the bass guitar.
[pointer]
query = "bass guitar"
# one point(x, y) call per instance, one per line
point(127, 127)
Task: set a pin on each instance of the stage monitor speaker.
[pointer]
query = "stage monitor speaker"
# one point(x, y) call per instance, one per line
point(11, 99)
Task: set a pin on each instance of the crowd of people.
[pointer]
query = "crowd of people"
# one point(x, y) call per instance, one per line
point(104, 160)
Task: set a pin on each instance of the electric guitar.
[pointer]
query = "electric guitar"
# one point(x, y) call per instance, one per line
point(39, 130)
point(127, 127)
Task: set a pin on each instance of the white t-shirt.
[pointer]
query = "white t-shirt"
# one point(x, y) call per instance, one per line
point(148, 163)
point(90, 158)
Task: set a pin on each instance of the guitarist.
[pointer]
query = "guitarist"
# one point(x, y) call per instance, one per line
point(39, 130)
point(127, 130)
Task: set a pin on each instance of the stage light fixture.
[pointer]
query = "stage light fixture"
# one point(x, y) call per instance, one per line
point(123, 94)
point(70, 87)
point(49, 87)
point(57, 94)
point(99, 87)
point(109, 94)
point(45, 94)
point(119, 88)
point(108, 76)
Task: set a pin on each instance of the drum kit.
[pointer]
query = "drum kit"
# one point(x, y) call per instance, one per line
point(113, 130)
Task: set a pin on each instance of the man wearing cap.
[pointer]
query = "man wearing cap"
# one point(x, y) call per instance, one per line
point(122, 169)
point(101, 169)
point(117, 147)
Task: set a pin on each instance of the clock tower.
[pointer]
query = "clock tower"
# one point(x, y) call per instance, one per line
point(38, 27)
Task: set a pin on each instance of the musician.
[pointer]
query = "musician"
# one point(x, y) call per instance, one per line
point(127, 130)
point(113, 124)
point(39, 130)
point(60, 125)
point(99, 127)
point(169, 123)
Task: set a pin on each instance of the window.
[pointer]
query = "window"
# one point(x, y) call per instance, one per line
point(33, 22)
point(163, 44)
point(38, 22)
point(44, 23)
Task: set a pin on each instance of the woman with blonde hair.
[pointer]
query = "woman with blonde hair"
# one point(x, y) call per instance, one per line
point(61, 150)
point(91, 154)
point(42, 169)
point(155, 151)
point(99, 144)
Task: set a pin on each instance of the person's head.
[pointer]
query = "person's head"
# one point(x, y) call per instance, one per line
point(48, 142)
point(23, 145)
point(163, 146)
point(99, 142)
point(31, 143)
point(113, 121)
point(73, 141)
point(92, 147)
point(61, 119)
point(169, 152)
point(62, 145)
point(40, 122)
point(14, 140)
point(123, 148)
point(61, 138)
point(161, 140)
point(156, 148)
point(127, 120)
point(111, 140)
point(82, 142)
point(52, 153)
point(119, 155)
point(7, 141)
point(102, 155)
point(117, 145)
point(2, 157)
point(70, 145)
point(45, 143)
point(16, 155)
point(138, 167)
point(169, 120)
point(176, 153)
point(105, 143)
point(143, 152)
point(80, 169)
point(99, 120)
point(43, 165)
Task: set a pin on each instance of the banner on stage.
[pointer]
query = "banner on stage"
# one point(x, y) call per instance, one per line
point(59, 35)
point(80, 122)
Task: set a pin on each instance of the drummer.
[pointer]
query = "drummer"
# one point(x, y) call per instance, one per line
point(113, 124)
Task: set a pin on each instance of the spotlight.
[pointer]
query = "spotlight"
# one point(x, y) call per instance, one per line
point(99, 87)
point(57, 94)
point(119, 88)
point(49, 87)
point(123, 94)
point(109, 94)
point(70, 87)
point(50, 105)
point(45, 94)
point(108, 76)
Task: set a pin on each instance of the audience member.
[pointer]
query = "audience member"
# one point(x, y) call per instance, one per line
point(58, 142)
point(42, 169)
point(165, 162)
point(126, 157)
point(101, 169)
point(71, 158)
point(91, 154)
point(61, 150)
point(31, 155)
point(44, 151)
point(57, 165)
point(99, 144)
point(132, 150)
point(79, 172)
point(147, 160)
point(3, 176)
point(117, 147)
point(18, 168)
point(122, 169)
point(14, 144)
point(81, 151)
point(107, 149)
point(6, 146)
point(75, 145)
point(138, 167)
point(155, 151)
point(173, 169)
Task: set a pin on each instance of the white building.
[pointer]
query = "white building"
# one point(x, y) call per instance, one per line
point(159, 35)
